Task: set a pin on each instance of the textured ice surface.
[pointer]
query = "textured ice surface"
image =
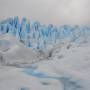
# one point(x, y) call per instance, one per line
point(67, 82)
point(38, 36)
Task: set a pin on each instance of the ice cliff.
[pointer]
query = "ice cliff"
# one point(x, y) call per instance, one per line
point(38, 36)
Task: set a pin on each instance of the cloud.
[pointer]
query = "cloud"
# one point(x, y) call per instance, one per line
point(48, 11)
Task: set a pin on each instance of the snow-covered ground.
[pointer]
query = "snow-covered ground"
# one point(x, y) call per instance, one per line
point(67, 67)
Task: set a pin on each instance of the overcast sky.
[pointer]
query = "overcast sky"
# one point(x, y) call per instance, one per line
point(48, 11)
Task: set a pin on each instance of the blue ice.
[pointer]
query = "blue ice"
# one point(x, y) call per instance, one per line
point(38, 36)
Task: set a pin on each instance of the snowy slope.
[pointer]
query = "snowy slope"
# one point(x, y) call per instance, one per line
point(38, 57)
point(15, 53)
point(68, 68)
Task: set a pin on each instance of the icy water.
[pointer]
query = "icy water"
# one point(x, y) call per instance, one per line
point(67, 82)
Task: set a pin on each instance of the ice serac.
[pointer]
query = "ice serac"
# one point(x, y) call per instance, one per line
point(38, 36)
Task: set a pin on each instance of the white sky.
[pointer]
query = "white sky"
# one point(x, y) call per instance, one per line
point(48, 11)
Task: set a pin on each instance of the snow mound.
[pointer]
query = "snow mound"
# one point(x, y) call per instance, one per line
point(14, 53)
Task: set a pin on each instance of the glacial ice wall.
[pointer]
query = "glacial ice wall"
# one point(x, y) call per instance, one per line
point(38, 36)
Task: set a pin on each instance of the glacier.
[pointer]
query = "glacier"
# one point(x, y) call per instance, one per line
point(38, 36)
point(65, 64)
